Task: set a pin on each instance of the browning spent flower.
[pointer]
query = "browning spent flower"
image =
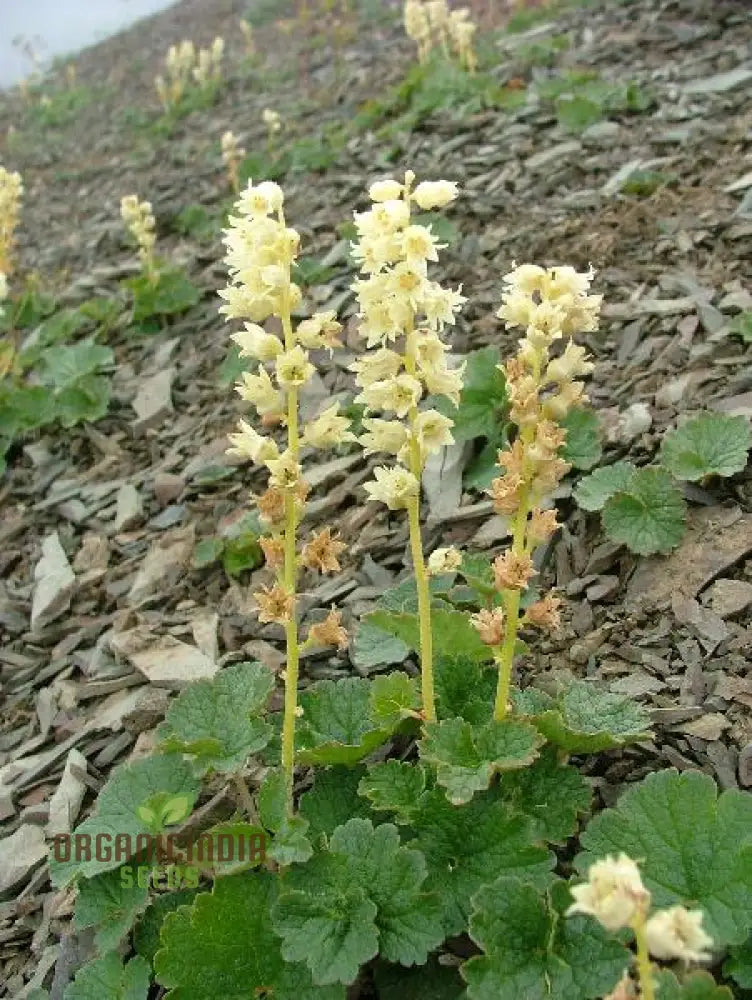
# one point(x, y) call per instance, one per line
point(275, 604)
point(513, 571)
point(489, 624)
point(273, 548)
point(545, 613)
point(330, 632)
point(322, 552)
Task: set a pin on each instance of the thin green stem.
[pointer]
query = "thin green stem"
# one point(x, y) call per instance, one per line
point(424, 611)
point(644, 965)
point(290, 576)
point(416, 548)
point(505, 659)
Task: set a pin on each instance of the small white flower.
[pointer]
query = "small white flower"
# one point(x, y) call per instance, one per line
point(394, 487)
point(613, 894)
point(383, 435)
point(435, 194)
point(329, 429)
point(255, 342)
point(678, 933)
point(285, 471)
point(381, 364)
point(248, 443)
point(259, 390)
point(293, 368)
point(386, 190)
point(433, 430)
point(445, 560)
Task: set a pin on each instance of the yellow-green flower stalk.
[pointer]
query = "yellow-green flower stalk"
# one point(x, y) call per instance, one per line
point(11, 191)
point(139, 220)
point(179, 65)
point(232, 154)
point(246, 30)
point(461, 31)
point(418, 27)
point(261, 249)
point(550, 304)
point(208, 69)
point(401, 307)
point(273, 121)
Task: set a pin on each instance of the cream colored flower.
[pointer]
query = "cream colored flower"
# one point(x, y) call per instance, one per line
point(260, 390)
point(272, 120)
point(293, 368)
point(386, 190)
point(398, 395)
point(329, 429)
point(263, 199)
point(395, 487)
point(255, 342)
point(446, 560)
point(613, 894)
point(572, 364)
point(248, 443)
point(321, 330)
point(285, 472)
point(433, 431)
point(383, 435)
point(442, 381)
point(677, 933)
point(378, 366)
point(429, 195)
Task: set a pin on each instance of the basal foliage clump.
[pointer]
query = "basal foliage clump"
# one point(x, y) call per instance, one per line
point(418, 826)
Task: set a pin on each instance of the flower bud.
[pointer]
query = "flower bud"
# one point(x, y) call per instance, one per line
point(446, 560)
point(613, 894)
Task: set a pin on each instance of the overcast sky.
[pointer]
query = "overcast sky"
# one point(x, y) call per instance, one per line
point(58, 27)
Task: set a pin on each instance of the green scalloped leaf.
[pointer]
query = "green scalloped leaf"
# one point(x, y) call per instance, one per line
point(119, 809)
point(373, 647)
point(362, 896)
point(739, 964)
point(695, 986)
point(466, 759)
point(582, 448)
point(394, 697)
point(394, 786)
point(108, 977)
point(109, 906)
point(224, 946)
point(648, 516)
point(336, 726)
point(531, 951)
point(218, 721)
point(712, 444)
point(552, 794)
point(453, 633)
point(694, 847)
point(291, 844)
point(146, 933)
point(432, 981)
point(588, 720)
point(333, 800)
point(592, 492)
point(464, 689)
point(469, 846)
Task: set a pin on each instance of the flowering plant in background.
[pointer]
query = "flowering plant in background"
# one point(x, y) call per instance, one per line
point(261, 249)
point(402, 315)
point(11, 192)
point(232, 154)
point(273, 122)
point(208, 69)
point(550, 305)
point(179, 64)
point(139, 220)
point(246, 30)
point(432, 26)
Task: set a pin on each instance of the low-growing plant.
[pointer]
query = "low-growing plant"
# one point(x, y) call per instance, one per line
point(232, 154)
point(189, 69)
point(431, 834)
point(159, 290)
point(433, 27)
point(582, 98)
point(643, 508)
point(11, 192)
